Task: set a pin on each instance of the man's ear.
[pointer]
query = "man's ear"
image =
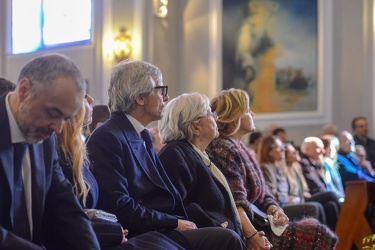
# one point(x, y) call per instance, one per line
point(24, 87)
point(140, 100)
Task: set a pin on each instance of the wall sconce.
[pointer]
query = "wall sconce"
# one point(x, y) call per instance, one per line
point(122, 47)
point(161, 8)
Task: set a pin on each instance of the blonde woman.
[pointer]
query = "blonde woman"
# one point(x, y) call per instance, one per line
point(75, 165)
point(229, 153)
point(187, 127)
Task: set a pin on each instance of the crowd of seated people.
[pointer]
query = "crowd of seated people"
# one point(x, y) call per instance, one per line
point(271, 158)
point(199, 187)
point(244, 175)
point(327, 163)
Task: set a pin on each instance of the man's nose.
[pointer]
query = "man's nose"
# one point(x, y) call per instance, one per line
point(57, 126)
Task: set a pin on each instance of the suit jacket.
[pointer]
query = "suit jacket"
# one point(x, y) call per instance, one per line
point(350, 170)
point(52, 197)
point(315, 182)
point(206, 200)
point(369, 145)
point(130, 184)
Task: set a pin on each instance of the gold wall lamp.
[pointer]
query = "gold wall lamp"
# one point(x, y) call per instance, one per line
point(122, 45)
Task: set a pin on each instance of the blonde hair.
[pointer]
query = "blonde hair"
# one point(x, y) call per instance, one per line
point(230, 106)
point(74, 149)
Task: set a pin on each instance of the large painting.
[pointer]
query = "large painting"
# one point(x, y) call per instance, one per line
point(270, 49)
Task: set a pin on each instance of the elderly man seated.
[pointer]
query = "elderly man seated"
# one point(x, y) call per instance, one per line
point(350, 168)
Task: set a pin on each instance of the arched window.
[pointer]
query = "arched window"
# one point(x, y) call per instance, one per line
point(40, 24)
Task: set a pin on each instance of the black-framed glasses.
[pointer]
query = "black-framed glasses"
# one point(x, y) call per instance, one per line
point(163, 90)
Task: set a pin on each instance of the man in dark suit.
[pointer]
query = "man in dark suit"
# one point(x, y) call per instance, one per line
point(33, 189)
point(360, 133)
point(132, 182)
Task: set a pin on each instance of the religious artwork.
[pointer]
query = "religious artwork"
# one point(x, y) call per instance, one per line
point(270, 49)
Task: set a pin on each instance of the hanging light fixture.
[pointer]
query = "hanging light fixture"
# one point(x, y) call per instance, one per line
point(122, 45)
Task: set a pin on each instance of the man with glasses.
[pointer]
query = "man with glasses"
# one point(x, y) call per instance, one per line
point(350, 169)
point(360, 152)
point(360, 133)
point(131, 179)
point(33, 190)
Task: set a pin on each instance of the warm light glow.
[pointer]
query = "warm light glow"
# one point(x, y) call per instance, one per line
point(122, 46)
point(161, 8)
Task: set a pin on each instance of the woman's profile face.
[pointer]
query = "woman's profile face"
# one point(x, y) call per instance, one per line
point(292, 154)
point(207, 126)
point(247, 122)
point(277, 152)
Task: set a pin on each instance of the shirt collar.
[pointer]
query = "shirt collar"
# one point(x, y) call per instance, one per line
point(15, 132)
point(136, 124)
point(203, 155)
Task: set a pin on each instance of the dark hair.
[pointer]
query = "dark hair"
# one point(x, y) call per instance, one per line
point(254, 137)
point(354, 121)
point(100, 113)
point(278, 130)
point(6, 86)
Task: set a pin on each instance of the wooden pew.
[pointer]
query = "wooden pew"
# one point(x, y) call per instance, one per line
point(352, 225)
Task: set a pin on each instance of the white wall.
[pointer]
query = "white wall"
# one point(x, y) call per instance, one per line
point(182, 47)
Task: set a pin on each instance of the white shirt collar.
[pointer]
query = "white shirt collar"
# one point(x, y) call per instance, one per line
point(15, 132)
point(136, 124)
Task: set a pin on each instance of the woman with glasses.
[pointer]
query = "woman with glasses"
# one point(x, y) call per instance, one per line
point(297, 183)
point(187, 127)
point(245, 178)
point(271, 158)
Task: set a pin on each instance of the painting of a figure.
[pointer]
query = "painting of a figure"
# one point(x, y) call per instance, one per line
point(270, 50)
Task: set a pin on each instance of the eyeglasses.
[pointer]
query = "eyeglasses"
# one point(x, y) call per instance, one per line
point(163, 90)
point(280, 147)
point(213, 114)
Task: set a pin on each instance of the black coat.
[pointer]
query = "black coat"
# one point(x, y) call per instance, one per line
point(52, 197)
point(206, 200)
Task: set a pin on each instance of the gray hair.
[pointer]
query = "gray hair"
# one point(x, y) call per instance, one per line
point(179, 113)
point(43, 70)
point(130, 79)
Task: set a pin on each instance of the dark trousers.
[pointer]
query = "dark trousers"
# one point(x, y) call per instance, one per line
point(154, 241)
point(306, 209)
point(208, 238)
point(331, 207)
point(215, 238)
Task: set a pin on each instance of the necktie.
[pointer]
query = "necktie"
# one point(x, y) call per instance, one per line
point(146, 136)
point(20, 221)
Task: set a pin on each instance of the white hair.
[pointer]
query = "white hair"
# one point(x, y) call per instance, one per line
point(179, 113)
point(307, 142)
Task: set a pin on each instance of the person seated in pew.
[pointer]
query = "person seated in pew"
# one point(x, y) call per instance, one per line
point(245, 178)
point(187, 127)
point(131, 179)
point(361, 154)
point(75, 165)
point(312, 152)
point(50, 90)
point(271, 158)
point(332, 175)
point(350, 169)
